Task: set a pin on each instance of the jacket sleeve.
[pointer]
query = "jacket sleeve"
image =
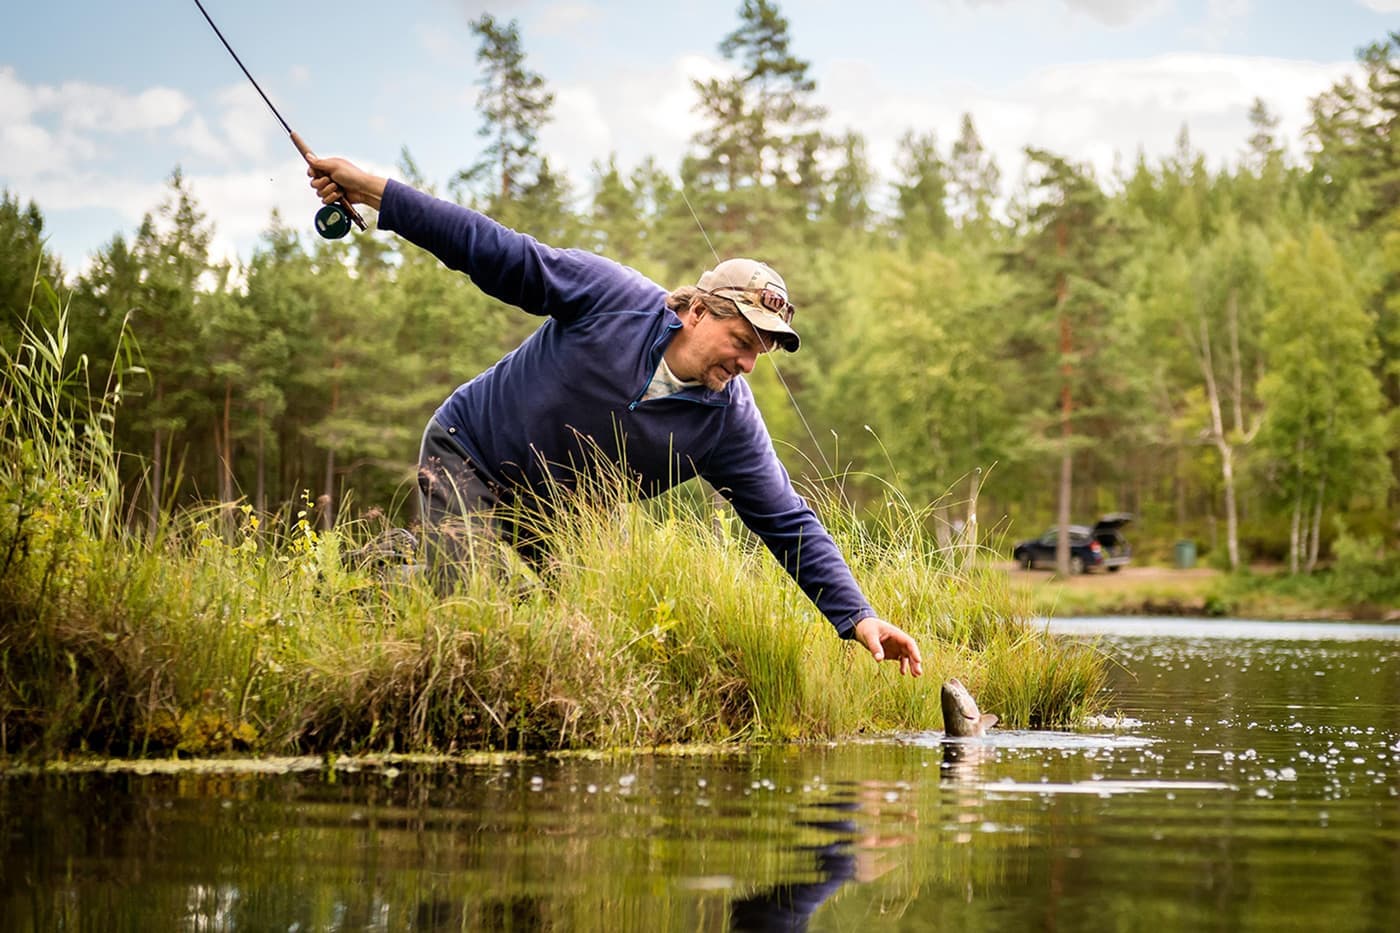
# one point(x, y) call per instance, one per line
point(510, 266)
point(745, 469)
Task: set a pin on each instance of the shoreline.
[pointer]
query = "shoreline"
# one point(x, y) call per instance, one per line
point(1263, 592)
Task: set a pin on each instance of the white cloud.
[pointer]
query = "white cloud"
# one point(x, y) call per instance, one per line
point(1382, 6)
point(1101, 112)
point(1146, 102)
point(29, 149)
point(63, 192)
point(195, 136)
point(578, 134)
point(565, 18)
point(49, 131)
point(247, 124)
point(1113, 13)
point(86, 106)
point(633, 113)
point(1117, 12)
point(16, 98)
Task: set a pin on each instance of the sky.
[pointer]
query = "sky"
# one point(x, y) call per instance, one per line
point(100, 102)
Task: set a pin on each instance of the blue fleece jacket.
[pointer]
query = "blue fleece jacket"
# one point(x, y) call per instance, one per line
point(570, 394)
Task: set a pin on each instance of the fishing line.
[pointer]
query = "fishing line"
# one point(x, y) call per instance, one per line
point(333, 220)
point(771, 359)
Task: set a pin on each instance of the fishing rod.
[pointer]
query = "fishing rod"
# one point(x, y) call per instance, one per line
point(333, 220)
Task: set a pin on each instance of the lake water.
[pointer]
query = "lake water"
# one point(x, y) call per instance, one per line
point(1250, 780)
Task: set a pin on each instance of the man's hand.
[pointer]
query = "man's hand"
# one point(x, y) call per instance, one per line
point(887, 642)
point(334, 178)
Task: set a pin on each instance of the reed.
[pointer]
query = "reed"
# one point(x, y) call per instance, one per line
point(651, 625)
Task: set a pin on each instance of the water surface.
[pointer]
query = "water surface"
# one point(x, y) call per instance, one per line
point(1249, 779)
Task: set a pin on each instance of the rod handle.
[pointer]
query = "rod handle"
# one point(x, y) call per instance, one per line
point(344, 201)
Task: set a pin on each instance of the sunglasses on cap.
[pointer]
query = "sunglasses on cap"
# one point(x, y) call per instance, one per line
point(769, 299)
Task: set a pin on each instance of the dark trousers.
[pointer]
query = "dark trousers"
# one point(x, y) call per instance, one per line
point(466, 526)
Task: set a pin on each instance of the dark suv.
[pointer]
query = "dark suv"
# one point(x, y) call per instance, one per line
point(1102, 545)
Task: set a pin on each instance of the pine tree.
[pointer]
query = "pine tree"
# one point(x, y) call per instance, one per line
point(757, 154)
point(515, 106)
point(921, 193)
point(25, 263)
point(973, 183)
point(156, 283)
point(849, 209)
point(1068, 265)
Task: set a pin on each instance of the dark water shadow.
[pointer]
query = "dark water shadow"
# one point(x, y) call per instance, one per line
point(855, 852)
point(790, 906)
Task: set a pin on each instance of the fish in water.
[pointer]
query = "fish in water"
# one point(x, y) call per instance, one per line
point(961, 717)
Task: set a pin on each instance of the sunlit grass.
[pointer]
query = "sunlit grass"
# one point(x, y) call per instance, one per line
point(652, 625)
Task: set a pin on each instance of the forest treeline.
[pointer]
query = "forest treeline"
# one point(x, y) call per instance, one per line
point(1213, 349)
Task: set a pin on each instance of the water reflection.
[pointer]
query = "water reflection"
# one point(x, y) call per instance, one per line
point(1234, 774)
point(963, 758)
point(789, 906)
point(855, 849)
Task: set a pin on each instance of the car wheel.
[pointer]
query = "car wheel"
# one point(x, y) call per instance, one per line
point(1115, 568)
point(1027, 562)
point(1076, 565)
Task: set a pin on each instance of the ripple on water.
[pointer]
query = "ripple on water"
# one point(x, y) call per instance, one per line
point(1030, 739)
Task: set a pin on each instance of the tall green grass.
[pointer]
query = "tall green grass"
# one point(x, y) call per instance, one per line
point(650, 626)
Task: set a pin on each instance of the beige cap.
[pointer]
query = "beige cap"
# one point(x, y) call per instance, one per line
point(761, 295)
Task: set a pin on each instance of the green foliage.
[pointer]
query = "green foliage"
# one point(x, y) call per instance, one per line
point(25, 263)
point(1324, 435)
point(1364, 572)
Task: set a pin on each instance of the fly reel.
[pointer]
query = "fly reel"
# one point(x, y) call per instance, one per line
point(332, 221)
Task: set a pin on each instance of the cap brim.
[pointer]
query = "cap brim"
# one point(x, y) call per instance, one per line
point(770, 324)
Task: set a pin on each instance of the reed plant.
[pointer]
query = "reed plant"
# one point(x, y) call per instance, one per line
point(649, 625)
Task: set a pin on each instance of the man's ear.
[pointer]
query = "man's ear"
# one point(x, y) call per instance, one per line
point(697, 309)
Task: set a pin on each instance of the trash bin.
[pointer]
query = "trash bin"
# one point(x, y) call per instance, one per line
point(1185, 554)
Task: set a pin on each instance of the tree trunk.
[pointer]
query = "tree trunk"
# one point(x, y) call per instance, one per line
point(1066, 409)
point(157, 460)
point(1232, 522)
point(326, 503)
point(226, 463)
point(1315, 536)
point(1294, 533)
point(1179, 481)
point(970, 528)
point(260, 489)
point(1232, 316)
point(1218, 436)
point(157, 463)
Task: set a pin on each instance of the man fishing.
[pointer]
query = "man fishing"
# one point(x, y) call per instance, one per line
point(621, 374)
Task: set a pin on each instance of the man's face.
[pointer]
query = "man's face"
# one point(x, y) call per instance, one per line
point(715, 350)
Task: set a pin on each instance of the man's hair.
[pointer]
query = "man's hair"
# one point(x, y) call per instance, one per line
point(683, 297)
